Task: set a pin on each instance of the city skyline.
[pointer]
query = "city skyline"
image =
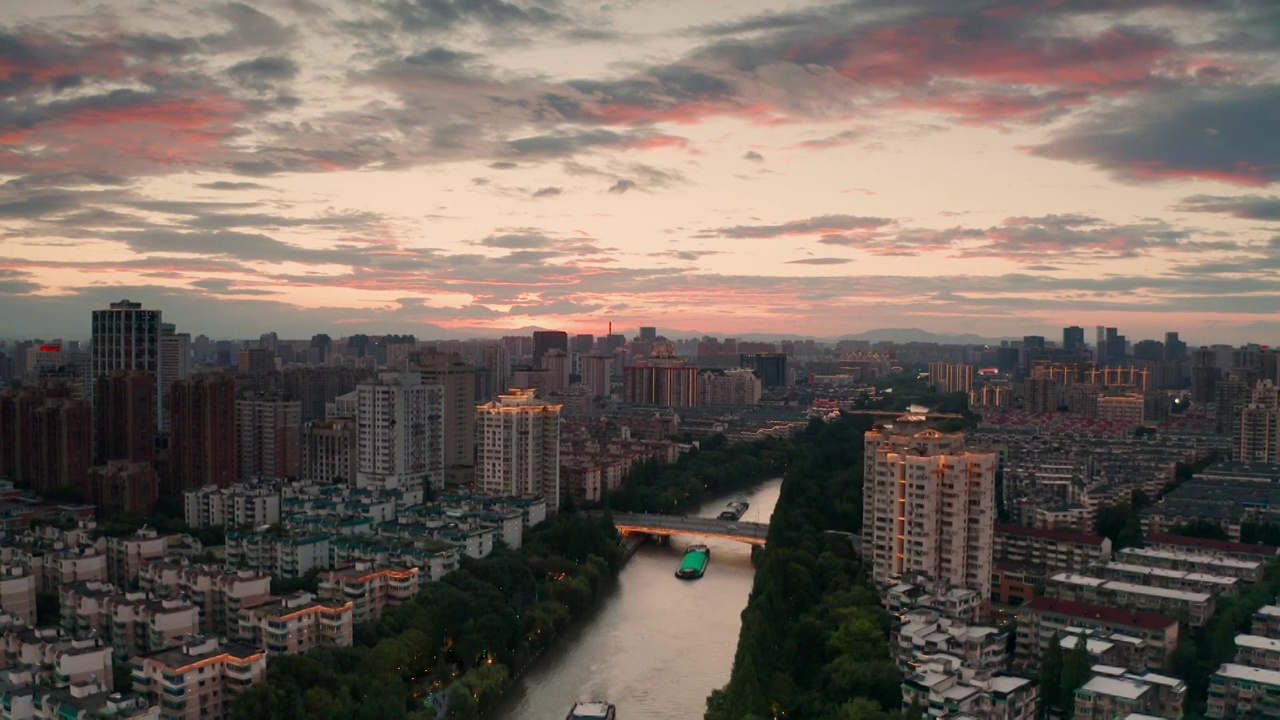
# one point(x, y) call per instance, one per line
point(490, 167)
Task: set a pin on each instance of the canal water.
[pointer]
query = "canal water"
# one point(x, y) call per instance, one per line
point(655, 645)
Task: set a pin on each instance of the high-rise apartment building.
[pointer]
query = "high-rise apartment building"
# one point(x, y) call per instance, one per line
point(329, 451)
point(268, 437)
point(63, 445)
point(558, 367)
point(400, 434)
point(175, 364)
point(314, 386)
point(929, 506)
point(1174, 347)
point(202, 432)
point(771, 368)
point(648, 334)
point(19, 457)
point(951, 377)
point(457, 380)
point(1258, 434)
point(546, 340)
point(127, 337)
point(583, 344)
point(256, 361)
point(597, 373)
point(1073, 339)
point(518, 439)
point(664, 385)
point(124, 417)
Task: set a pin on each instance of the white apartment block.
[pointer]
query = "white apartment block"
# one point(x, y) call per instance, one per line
point(518, 447)
point(929, 506)
point(234, 506)
point(297, 623)
point(1195, 607)
point(198, 680)
point(18, 593)
point(1126, 409)
point(400, 433)
point(125, 554)
point(369, 591)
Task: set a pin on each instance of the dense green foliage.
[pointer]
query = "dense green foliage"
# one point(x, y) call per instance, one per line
point(716, 467)
point(1050, 674)
point(464, 636)
point(1122, 523)
point(1201, 650)
point(167, 520)
point(1266, 533)
point(813, 642)
point(1200, 528)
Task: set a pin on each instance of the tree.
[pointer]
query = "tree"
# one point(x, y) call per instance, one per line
point(1075, 673)
point(1051, 674)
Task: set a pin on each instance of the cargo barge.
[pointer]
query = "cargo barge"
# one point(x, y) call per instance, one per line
point(593, 711)
point(734, 510)
point(695, 562)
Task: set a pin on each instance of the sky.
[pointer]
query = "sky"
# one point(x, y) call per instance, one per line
point(459, 167)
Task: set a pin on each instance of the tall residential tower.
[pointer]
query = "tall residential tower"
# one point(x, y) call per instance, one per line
point(929, 506)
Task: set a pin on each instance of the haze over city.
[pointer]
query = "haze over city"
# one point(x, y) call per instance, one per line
point(729, 167)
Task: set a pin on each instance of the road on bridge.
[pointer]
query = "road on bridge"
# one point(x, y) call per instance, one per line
point(754, 533)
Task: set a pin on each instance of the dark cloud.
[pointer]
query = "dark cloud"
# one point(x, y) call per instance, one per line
point(1249, 207)
point(225, 185)
point(417, 15)
point(228, 287)
point(1217, 134)
point(753, 156)
point(820, 261)
point(518, 241)
point(264, 71)
point(622, 186)
point(822, 225)
point(503, 165)
point(547, 192)
point(250, 28)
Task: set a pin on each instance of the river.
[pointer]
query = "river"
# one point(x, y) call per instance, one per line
point(655, 646)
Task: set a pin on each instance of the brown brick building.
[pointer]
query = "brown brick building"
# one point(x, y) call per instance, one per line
point(202, 426)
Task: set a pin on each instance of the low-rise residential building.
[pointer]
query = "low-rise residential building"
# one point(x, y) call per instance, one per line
point(217, 594)
point(1227, 548)
point(926, 632)
point(1266, 621)
point(297, 623)
point(1107, 648)
point(199, 679)
point(370, 591)
point(1258, 651)
point(125, 554)
point(1241, 691)
point(138, 624)
point(1051, 549)
point(1014, 584)
point(1112, 693)
point(1195, 607)
point(951, 690)
point(954, 602)
point(71, 565)
point(1043, 617)
point(18, 589)
point(1193, 561)
point(1172, 579)
point(277, 552)
point(239, 506)
point(21, 698)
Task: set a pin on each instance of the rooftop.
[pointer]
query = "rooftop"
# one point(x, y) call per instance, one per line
point(1056, 535)
point(1115, 687)
point(1250, 674)
point(1101, 613)
point(1212, 545)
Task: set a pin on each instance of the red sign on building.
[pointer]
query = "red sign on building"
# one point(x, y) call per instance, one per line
point(50, 348)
